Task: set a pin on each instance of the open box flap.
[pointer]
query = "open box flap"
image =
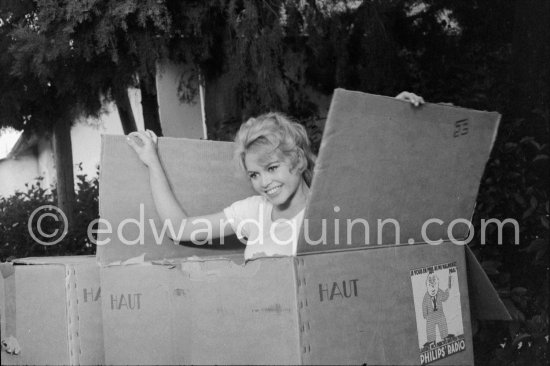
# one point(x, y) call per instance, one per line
point(75, 259)
point(204, 179)
point(382, 158)
point(484, 299)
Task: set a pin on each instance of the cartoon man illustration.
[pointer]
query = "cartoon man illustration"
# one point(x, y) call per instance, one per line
point(432, 307)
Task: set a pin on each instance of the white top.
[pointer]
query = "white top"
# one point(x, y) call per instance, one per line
point(251, 219)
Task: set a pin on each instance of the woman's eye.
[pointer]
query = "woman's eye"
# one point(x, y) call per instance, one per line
point(272, 168)
point(252, 175)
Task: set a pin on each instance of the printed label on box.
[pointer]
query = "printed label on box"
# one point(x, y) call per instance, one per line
point(438, 311)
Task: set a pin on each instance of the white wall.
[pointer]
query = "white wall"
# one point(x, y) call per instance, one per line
point(86, 146)
point(46, 162)
point(178, 119)
point(14, 173)
point(86, 134)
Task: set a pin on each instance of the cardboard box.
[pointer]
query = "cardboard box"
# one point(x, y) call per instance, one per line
point(212, 311)
point(53, 310)
point(346, 307)
point(204, 179)
point(362, 301)
point(399, 162)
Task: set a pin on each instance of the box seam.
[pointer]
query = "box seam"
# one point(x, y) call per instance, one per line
point(304, 327)
point(73, 338)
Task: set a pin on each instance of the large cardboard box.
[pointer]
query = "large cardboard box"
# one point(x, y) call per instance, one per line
point(52, 308)
point(209, 310)
point(345, 307)
point(357, 297)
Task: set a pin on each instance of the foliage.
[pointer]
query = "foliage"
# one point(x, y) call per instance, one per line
point(471, 66)
point(61, 60)
point(80, 50)
point(40, 66)
point(127, 38)
point(515, 186)
point(275, 53)
point(15, 211)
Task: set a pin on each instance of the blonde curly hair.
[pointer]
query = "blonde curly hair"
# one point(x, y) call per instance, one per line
point(281, 133)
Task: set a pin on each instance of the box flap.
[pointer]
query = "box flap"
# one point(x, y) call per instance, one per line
point(484, 299)
point(204, 179)
point(381, 158)
point(41, 327)
point(86, 325)
point(77, 259)
point(7, 301)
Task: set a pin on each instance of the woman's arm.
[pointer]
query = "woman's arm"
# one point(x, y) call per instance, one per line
point(186, 228)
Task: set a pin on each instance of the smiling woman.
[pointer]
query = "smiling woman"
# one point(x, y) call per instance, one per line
point(275, 153)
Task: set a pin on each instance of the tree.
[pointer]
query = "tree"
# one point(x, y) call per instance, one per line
point(270, 55)
point(32, 100)
point(65, 60)
point(130, 37)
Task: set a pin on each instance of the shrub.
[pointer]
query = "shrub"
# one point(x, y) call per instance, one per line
point(15, 211)
point(515, 185)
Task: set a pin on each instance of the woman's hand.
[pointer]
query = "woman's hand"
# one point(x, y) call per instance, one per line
point(144, 144)
point(412, 98)
point(11, 346)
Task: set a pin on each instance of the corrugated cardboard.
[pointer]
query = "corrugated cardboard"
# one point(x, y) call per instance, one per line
point(400, 162)
point(208, 311)
point(345, 304)
point(53, 310)
point(486, 303)
point(359, 308)
point(347, 307)
point(204, 179)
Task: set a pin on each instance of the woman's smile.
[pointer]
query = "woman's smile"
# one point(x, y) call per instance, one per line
point(273, 190)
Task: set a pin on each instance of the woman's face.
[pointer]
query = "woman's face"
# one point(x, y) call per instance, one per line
point(273, 176)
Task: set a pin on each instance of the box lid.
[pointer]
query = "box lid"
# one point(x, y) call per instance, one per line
point(382, 158)
point(485, 301)
point(76, 259)
point(204, 179)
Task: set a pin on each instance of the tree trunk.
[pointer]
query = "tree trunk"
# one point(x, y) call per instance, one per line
point(124, 110)
point(220, 104)
point(64, 168)
point(151, 119)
